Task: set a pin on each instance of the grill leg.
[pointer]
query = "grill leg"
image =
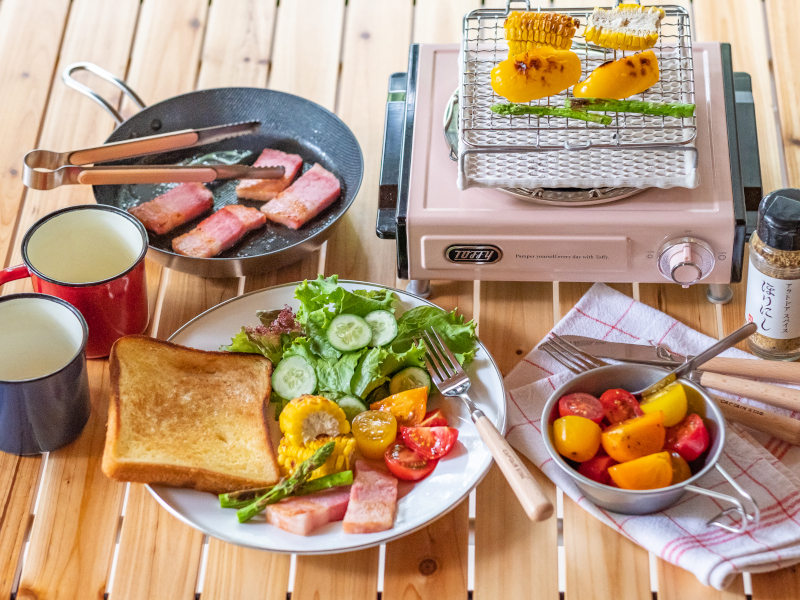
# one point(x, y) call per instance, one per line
point(719, 293)
point(419, 287)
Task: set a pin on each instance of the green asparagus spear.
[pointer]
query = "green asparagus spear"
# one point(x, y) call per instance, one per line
point(244, 497)
point(550, 111)
point(288, 486)
point(674, 109)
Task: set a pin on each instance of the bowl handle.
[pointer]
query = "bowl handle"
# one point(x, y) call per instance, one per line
point(745, 517)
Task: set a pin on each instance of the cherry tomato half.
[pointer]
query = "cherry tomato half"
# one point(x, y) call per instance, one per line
point(430, 442)
point(433, 418)
point(581, 405)
point(680, 468)
point(635, 437)
point(576, 438)
point(596, 469)
point(406, 464)
point(689, 438)
point(646, 473)
point(620, 405)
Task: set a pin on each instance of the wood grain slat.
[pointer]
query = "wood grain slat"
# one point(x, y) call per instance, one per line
point(75, 529)
point(377, 36)
point(158, 555)
point(780, 585)
point(29, 45)
point(440, 21)
point(233, 572)
point(514, 557)
point(783, 22)
point(679, 584)
point(595, 554)
point(741, 23)
point(79, 512)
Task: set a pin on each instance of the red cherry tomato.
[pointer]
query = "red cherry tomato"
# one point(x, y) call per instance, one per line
point(620, 405)
point(689, 438)
point(581, 405)
point(596, 469)
point(430, 442)
point(433, 418)
point(406, 464)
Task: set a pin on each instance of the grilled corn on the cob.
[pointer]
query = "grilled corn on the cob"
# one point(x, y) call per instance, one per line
point(625, 27)
point(306, 418)
point(290, 456)
point(528, 30)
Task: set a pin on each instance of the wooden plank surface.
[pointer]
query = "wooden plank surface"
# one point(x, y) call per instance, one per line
point(514, 557)
point(75, 528)
point(783, 21)
point(29, 46)
point(234, 572)
point(158, 555)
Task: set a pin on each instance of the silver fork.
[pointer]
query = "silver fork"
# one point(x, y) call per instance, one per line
point(569, 355)
point(451, 380)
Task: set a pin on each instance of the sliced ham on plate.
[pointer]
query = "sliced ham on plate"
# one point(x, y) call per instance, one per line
point(313, 192)
point(267, 189)
point(373, 498)
point(218, 232)
point(178, 206)
point(303, 514)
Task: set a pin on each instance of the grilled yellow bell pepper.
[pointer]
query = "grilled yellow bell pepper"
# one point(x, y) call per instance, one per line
point(537, 73)
point(620, 78)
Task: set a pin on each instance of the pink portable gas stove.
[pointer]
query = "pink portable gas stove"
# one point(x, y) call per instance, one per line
point(565, 234)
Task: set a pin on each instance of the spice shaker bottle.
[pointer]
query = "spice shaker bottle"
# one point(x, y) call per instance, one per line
point(773, 281)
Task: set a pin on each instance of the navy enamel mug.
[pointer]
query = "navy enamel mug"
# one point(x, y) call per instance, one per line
point(44, 387)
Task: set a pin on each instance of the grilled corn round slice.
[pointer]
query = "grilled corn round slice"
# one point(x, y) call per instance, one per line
point(289, 455)
point(306, 418)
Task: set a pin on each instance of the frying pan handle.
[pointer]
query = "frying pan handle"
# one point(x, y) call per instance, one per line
point(66, 75)
point(746, 518)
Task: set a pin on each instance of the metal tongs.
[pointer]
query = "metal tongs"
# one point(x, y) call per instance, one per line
point(47, 170)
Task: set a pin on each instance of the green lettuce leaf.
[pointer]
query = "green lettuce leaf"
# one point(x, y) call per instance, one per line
point(333, 375)
point(241, 343)
point(369, 372)
point(459, 336)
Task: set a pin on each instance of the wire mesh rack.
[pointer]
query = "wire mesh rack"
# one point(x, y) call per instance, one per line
point(546, 151)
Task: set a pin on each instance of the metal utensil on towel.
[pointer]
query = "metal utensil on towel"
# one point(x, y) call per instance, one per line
point(451, 380)
point(46, 170)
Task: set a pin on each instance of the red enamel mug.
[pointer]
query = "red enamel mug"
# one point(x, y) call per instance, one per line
point(92, 256)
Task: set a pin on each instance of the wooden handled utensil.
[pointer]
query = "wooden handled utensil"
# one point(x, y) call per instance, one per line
point(451, 380)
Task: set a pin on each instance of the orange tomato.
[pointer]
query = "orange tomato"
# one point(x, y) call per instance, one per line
point(576, 438)
point(635, 438)
point(680, 468)
point(407, 407)
point(647, 473)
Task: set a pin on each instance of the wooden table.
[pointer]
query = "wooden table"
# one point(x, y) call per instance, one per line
point(66, 531)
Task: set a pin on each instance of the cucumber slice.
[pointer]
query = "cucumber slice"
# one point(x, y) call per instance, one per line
point(351, 406)
point(349, 332)
point(293, 377)
point(409, 378)
point(383, 325)
point(378, 394)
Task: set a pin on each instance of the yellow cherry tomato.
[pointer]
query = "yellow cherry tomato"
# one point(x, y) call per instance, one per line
point(407, 407)
point(671, 401)
point(680, 468)
point(373, 431)
point(635, 437)
point(647, 473)
point(576, 438)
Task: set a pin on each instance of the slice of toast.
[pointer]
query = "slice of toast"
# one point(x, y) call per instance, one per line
point(188, 418)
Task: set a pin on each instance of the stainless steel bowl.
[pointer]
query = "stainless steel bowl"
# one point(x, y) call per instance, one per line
point(637, 502)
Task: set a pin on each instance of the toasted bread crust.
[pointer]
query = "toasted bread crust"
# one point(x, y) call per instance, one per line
point(121, 469)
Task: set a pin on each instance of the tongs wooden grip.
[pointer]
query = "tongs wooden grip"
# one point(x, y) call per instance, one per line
point(46, 170)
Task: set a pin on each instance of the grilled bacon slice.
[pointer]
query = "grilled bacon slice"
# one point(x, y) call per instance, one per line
point(218, 232)
point(180, 205)
point(267, 189)
point(373, 497)
point(303, 514)
point(313, 192)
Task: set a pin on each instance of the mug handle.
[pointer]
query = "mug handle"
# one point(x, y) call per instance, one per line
point(14, 273)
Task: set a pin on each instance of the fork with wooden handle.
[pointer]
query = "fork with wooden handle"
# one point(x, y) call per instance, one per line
point(450, 378)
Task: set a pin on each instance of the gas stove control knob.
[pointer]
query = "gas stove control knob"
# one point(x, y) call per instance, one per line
point(685, 260)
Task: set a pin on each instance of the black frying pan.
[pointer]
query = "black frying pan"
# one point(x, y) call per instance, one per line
point(288, 123)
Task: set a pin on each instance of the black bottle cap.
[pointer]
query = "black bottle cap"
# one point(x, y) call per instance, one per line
point(779, 219)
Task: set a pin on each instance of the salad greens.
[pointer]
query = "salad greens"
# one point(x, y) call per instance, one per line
point(283, 334)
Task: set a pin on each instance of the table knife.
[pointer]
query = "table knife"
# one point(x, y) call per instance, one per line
point(716, 373)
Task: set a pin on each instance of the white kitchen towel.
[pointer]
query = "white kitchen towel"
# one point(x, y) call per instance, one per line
point(765, 467)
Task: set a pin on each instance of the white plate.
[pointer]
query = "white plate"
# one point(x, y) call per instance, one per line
point(419, 503)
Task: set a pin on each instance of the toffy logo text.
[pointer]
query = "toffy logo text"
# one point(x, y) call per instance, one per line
point(474, 254)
